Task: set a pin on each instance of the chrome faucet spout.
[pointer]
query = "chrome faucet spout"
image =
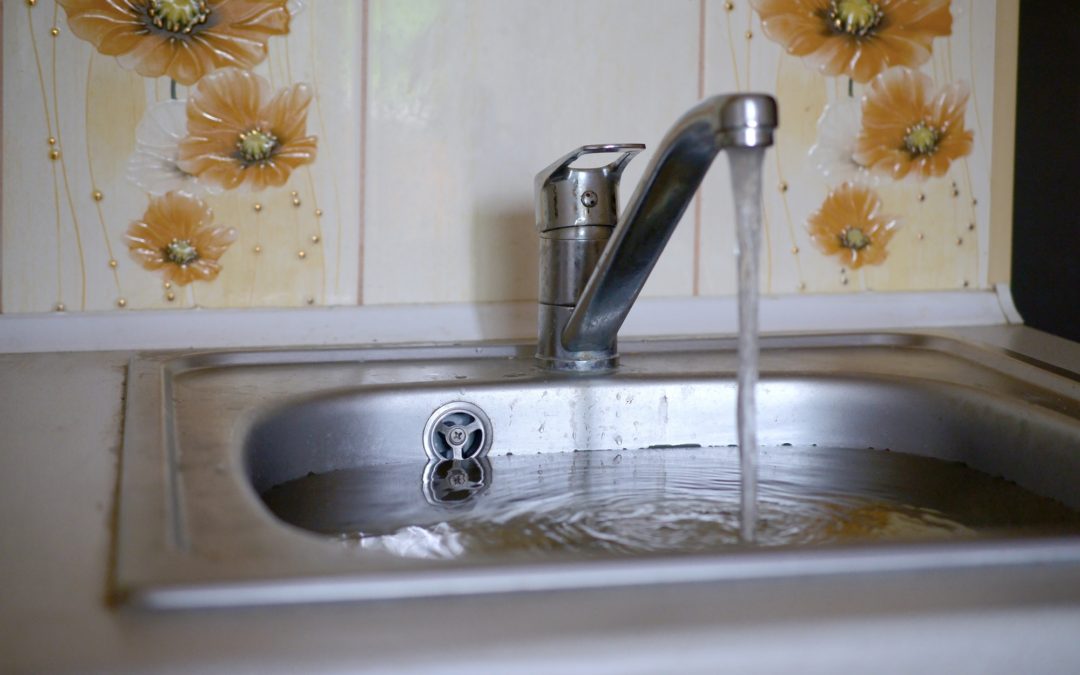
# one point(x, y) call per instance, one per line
point(586, 338)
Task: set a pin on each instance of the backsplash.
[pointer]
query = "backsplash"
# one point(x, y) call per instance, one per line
point(383, 152)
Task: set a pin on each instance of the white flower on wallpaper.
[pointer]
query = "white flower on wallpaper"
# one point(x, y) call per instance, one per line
point(153, 166)
point(294, 7)
point(834, 153)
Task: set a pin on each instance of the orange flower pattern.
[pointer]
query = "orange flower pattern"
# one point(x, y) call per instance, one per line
point(181, 39)
point(849, 225)
point(176, 235)
point(238, 133)
point(856, 38)
point(908, 128)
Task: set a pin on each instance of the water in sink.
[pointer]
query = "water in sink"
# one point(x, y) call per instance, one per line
point(665, 500)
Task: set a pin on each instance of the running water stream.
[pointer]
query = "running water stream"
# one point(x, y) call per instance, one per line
point(746, 185)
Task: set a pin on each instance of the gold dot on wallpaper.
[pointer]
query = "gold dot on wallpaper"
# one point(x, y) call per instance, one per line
point(749, 34)
point(167, 284)
point(729, 6)
point(59, 307)
point(51, 140)
point(31, 3)
point(54, 31)
point(920, 236)
point(296, 201)
point(318, 213)
point(974, 202)
point(294, 193)
point(113, 263)
point(315, 239)
point(959, 241)
point(54, 154)
point(257, 249)
point(922, 197)
point(844, 281)
point(257, 206)
point(98, 195)
point(121, 303)
point(802, 285)
point(783, 186)
point(301, 254)
point(971, 227)
point(311, 301)
point(170, 296)
point(966, 283)
point(795, 250)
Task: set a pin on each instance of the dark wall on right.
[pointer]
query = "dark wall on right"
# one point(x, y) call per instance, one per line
point(1046, 212)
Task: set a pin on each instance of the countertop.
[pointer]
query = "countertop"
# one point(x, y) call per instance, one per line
point(60, 434)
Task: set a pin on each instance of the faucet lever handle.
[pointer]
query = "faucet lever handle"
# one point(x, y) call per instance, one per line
point(614, 168)
point(568, 197)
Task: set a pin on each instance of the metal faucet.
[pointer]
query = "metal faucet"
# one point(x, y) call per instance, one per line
point(593, 264)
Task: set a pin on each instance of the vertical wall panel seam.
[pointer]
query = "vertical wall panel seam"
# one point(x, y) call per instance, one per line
point(696, 268)
point(365, 34)
point(1, 159)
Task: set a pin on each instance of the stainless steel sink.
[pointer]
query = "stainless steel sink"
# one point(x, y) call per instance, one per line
point(207, 434)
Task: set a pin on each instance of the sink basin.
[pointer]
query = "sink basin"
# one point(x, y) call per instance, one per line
point(375, 441)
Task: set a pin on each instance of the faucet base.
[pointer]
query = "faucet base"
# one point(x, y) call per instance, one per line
point(597, 365)
point(552, 355)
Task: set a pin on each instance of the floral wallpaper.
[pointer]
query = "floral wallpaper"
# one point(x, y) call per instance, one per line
point(183, 154)
point(241, 153)
point(904, 126)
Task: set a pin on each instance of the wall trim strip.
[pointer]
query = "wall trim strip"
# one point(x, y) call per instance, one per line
point(383, 324)
point(1002, 165)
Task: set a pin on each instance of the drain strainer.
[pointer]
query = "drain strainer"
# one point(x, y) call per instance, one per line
point(457, 430)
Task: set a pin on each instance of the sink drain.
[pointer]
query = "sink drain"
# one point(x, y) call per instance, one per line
point(457, 431)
